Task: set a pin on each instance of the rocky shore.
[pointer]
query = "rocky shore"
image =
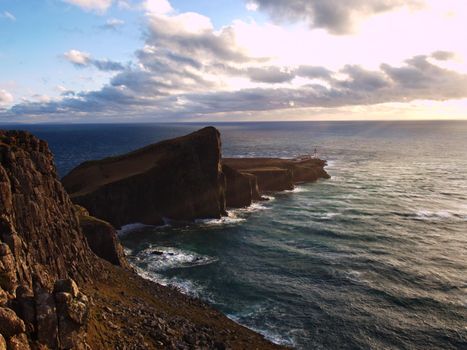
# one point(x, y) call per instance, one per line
point(64, 280)
point(182, 179)
point(57, 289)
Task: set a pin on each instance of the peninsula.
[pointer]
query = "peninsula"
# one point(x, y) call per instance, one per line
point(182, 179)
point(64, 279)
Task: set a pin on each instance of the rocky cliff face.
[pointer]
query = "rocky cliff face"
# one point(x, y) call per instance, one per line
point(41, 249)
point(43, 252)
point(179, 179)
point(102, 238)
point(274, 174)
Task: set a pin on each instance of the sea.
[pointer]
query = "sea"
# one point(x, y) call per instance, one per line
point(373, 258)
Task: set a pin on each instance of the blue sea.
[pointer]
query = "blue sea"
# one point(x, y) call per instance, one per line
point(374, 258)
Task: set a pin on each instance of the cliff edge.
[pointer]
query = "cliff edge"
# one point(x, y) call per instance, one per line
point(178, 179)
point(55, 293)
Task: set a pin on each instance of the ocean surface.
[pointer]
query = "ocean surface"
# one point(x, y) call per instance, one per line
point(374, 258)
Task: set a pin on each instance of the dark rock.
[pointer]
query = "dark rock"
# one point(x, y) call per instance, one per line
point(66, 286)
point(275, 174)
point(25, 307)
point(102, 238)
point(46, 318)
point(157, 252)
point(273, 179)
point(239, 191)
point(178, 179)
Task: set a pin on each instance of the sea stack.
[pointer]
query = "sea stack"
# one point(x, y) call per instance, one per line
point(179, 179)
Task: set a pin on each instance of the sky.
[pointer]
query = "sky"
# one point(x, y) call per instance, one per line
point(232, 60)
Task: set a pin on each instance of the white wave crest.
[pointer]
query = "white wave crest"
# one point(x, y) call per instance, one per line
point(125, 230)
point(164, 258)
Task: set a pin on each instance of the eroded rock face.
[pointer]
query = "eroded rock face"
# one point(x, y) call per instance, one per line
point(102, 238)
point(37, 220)
point(239, 188)
point(178, 179)
point(275, 174)
point(40, 242)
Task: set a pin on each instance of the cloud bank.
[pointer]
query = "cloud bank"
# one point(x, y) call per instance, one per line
point(187, 69)
point(336, 16)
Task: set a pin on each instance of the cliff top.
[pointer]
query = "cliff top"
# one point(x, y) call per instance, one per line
point(112, 169)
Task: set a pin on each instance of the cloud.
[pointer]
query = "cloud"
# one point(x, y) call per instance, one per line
point(187, 68)
point(77, 57)
point(251, 6)
point(5, 98)
point(91, 5)
point(83, 59)
point(270, 75)
point(443, 55)
point(112, 24)
point(336, 16)
point(160, 7)
point(141, 93)
point(8, 15)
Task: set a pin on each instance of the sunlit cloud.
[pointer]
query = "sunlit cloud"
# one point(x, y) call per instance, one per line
point(83, 59)
point(91, 5)
point(187, 68)
point(6, 98)
point(113, 24)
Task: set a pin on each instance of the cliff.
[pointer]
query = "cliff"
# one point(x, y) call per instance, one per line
point(42, 249)
point(241, 188)
point(181, 179)
point(102, 238)
point(275, 174)
point(178, 179)
point(55, 293)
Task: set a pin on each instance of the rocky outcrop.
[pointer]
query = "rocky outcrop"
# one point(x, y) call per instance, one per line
point(275, 174)
point(241, 188)
point(179, 179)
point(40, 243)
point(38, 226)
point(102, 238)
